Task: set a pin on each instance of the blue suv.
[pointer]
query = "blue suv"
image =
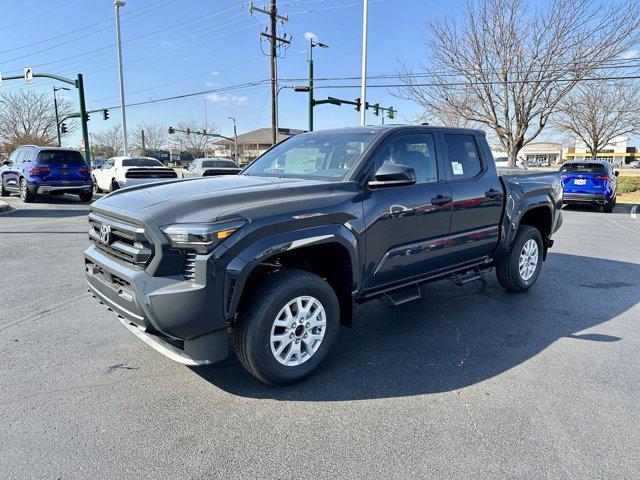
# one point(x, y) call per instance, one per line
point(32, 171)
point(590, 182)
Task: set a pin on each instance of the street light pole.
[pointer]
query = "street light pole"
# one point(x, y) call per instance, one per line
point(363, 92)
point(235, 138)
point(312, 44)
point(117, 4)
point(55, 106)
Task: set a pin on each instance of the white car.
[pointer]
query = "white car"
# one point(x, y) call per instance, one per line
point(120, 172)
point(503, 162)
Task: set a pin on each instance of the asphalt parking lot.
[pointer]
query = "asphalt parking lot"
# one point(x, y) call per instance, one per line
point(469, 382)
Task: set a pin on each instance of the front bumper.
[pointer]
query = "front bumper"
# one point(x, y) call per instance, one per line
point(599, 198)
point(176, 317)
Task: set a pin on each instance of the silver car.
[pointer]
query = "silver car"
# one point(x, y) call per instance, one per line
point(210, 167)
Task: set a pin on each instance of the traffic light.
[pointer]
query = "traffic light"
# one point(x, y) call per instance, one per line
point(86, 116)
point(391, 113)
point(105, 114)
point(358, 104)
point(188, 131)
point(172, 130)
point(63, 128)
point(376, 109)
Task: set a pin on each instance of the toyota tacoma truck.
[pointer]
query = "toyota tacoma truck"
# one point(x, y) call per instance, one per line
point(277, 256)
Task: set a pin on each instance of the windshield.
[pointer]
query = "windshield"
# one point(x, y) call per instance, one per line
point(141, 162)
point(60, 157)
point(218, 164)
point(322, 155)
point(584, 168)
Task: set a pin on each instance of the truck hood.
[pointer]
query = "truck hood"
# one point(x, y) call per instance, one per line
point(211, 199)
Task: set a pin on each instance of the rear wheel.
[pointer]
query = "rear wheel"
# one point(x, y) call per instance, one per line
point(25, 194)
point(518, 270)
point(114, 185)
point(608, 207)
point(85, 197)
point(96, 188)
point(288, 327)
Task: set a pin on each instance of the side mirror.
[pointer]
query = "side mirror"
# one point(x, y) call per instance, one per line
point(6, 162)
point(391, 174)
point(616, 173)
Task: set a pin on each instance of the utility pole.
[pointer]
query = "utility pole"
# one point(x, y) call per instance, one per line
point(235, 138)
point(363, 90)
point(144, 147)
point(275, 42)
point(55, 106)
point(118, 4)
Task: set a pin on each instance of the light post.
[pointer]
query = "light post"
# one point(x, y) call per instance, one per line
point(117, 4)
point(55, 106)
point(235, 138)
point(363, 92)
point(312, 43)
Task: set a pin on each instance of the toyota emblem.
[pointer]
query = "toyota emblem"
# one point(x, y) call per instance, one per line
point(105, 234)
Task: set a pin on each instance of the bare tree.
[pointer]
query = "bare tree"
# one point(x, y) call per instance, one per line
point(506, 67)
point(108, 143)
point(27, 117)
point(598, 112)
point(197, 145)
point(155, 137)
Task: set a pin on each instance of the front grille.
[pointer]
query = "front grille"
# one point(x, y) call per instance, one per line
point(189, 269)
point(125, 241)
point(151, 174)
point(98, 271)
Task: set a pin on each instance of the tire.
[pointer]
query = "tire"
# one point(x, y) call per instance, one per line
point(96, 188)
point(85, 197)
point(25, 194)
point(114, 185)
point(608, 207)
point(3, 191)
point(508, 267)
point(265, 315)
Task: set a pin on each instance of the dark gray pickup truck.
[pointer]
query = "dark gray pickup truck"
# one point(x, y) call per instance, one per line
point(278, 255)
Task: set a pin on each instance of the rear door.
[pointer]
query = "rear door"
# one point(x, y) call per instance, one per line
point(11, 173)
point(477, 196)
point(407, 226)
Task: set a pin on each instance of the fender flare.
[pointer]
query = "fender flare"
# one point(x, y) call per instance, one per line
point(513, 215)
point(239, 269)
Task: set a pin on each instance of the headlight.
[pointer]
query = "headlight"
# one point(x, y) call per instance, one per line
point(201, 237)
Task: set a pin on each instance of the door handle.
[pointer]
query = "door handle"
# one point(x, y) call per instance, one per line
point(440, 200)
point(493, 194)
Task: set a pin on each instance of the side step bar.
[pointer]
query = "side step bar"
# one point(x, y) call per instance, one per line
point(470, 276)
point(398, 297)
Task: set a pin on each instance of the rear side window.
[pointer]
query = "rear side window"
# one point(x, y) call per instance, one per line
point(60, 157)
point(462, 157)
point(584, 168)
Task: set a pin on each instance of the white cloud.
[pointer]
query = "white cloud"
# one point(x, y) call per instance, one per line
point(310, 36)
point(227, 99)
point(215, 73)
point(630, 54)
point(209, 84)
point(186, 59)
point(166, 43)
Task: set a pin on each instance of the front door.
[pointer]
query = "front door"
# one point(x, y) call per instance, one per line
point(407, 226)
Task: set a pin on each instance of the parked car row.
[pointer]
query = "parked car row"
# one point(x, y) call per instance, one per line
point(32, 171)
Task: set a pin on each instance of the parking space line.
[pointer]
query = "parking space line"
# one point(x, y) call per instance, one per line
point(633, 211)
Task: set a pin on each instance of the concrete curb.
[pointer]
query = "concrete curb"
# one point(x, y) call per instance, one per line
point(4, 207)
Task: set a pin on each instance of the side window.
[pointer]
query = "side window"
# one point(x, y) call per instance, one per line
point(462, 159)
point(415, 150)
point(22, 156)
point(28, 155)
point(14, 156)
point(108, 164)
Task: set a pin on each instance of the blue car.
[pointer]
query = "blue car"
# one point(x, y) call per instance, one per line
point(592, 183)
point(32, 171)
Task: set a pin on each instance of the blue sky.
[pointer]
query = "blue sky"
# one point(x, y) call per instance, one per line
point(194, 45)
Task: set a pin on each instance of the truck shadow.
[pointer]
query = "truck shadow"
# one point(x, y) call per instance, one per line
point(456, 337)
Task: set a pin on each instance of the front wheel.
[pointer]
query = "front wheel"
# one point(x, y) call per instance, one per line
point(518, 270)
point(3, 191)
point(96, 188)
point(288, 327)
point(85, 197)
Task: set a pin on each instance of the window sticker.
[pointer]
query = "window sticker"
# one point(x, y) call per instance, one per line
point(457, 168)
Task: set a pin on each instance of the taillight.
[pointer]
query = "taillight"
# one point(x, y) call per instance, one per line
point(565, 176)
point(39, 170)
point(84, 170)
point(603, 177)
